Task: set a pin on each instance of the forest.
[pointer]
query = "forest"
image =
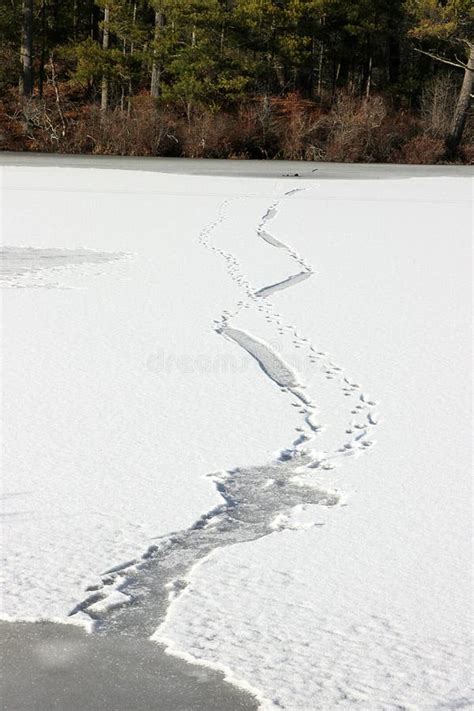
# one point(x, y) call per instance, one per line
point(336, 80)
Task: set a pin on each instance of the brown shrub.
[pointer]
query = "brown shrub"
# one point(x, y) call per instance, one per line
point(12, 136)
point(295, 125)
point(438, 102)
point(140, 131)
point(207, 135)
point(354, 130)
point(422, 149)
point(351, 127)
point(468, 152)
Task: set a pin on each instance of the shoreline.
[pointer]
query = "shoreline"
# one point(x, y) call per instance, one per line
point(237, 168)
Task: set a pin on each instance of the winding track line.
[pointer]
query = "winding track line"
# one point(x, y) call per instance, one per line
point(133, 598)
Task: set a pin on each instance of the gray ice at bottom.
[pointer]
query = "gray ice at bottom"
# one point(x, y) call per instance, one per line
point(55, 667)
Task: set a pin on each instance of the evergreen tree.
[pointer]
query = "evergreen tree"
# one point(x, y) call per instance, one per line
point(195, 55)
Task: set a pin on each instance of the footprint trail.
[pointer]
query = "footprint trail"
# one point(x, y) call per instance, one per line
point(133, 598)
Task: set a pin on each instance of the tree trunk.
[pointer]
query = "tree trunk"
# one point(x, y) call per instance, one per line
point(44, 41)
point(56, 91)
point(132, 49)
point(75, 19)
point(312, 70)
point(156, 64)
point(279, 73)
point(26, 52)
point(369, 78)
point(393, 59)
point(336, 72)
point(454, 137)
point(104, 95)
point(222, 39)
point(320, 69)
point(94, 17)
point(322, 22)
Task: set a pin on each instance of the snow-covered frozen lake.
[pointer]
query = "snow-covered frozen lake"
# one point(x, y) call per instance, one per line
point(237, 418)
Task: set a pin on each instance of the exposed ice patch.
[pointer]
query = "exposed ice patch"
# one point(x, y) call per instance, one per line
point(270, 361)
point(271, 239)
point(134, 601)
point(21, 266)
point(285, 284)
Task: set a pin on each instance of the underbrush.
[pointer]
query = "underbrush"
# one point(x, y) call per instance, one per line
point(350, 129)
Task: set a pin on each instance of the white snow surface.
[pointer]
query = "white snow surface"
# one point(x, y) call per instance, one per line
point(120, 394)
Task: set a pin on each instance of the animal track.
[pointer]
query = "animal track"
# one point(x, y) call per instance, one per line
point(133, 597)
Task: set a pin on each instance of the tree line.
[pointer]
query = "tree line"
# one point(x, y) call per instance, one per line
point(190, 55)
